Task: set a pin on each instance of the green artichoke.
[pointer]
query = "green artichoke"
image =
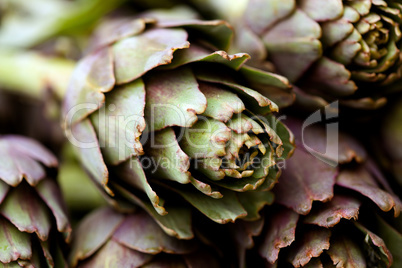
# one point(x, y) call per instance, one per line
point(347, 227)
point(106, 238)
point(346, 50)
point(193, 121)
point(33, 219)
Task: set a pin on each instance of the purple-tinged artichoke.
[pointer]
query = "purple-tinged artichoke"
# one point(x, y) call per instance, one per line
point(33, 219)
point(345, 227)
point(323, 215)
point(153, 117)
point(347, 50)
point(106, 238)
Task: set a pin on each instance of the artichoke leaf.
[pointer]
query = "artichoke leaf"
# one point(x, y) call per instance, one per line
point(173, 99)
point(114, 253)
point(331, 76)
point(360, 180)
point(90, 235)
point(294, 42)
point(20, 157)
point(223, 210)
point(241, 123)
point(51, 195)
point(118, 28)
point(376, 247)
point(120, 122)
point(87, 148)
point(392, 238)
point(312, 185)
point(205, 188)
point(253, 202)
point(217, 32)
point(345, 51)
point(168, 158)
point(136, 55)
point(17, 243)
point(27, 212)
point(176, 223)
point(211, 167)
point(207, 138)
point(197, 53)
point(335, 31)
point(345, 252)
point(132, 173)
point(310, 246)
point(242, 184)
point(258, 103)
point(91, 78)
point(281, 233)
point(361, 6)
point(148, 237)
point(322, 11)
point(221, 103)
point(261, 15)
point(329, 214)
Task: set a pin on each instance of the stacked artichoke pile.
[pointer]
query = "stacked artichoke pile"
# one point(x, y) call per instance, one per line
point(183, 139)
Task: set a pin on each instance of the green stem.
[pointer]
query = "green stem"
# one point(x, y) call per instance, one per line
point(31, 73)
point(55, 19)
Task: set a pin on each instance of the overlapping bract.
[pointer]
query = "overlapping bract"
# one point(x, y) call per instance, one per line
point(347, 50)
point(345, 228)
point(33, 217)
point(193, 121)
point(108, 238)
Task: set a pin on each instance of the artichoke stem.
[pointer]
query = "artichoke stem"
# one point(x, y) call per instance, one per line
point(30, 73)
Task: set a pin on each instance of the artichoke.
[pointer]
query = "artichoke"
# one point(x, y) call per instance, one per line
point(33, 219)
point(152, 117)
point(346, 50)
point(106, 238)
point(348, 226)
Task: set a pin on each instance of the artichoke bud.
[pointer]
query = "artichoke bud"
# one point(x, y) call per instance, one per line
point(34, 223)
point(160, 106)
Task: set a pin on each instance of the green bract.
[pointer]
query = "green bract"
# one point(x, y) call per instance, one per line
point(33, 216)
point(331, 214)
point(106, 238)
point(347, 50)
point(159, 111)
